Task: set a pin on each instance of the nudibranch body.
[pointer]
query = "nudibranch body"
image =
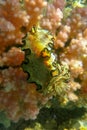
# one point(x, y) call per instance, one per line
point(43, 65)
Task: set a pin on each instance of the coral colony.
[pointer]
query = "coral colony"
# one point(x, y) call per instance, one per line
point(43, 62)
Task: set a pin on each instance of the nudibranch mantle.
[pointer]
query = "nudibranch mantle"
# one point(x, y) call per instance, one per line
point(41, 43)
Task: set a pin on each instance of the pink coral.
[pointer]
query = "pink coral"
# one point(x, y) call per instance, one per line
point(62, 36)
point(52, 19)
point(14, 57)
point(34, 10)
point(17, 97)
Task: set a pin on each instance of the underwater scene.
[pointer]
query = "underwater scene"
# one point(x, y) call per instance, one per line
point(43, 64)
